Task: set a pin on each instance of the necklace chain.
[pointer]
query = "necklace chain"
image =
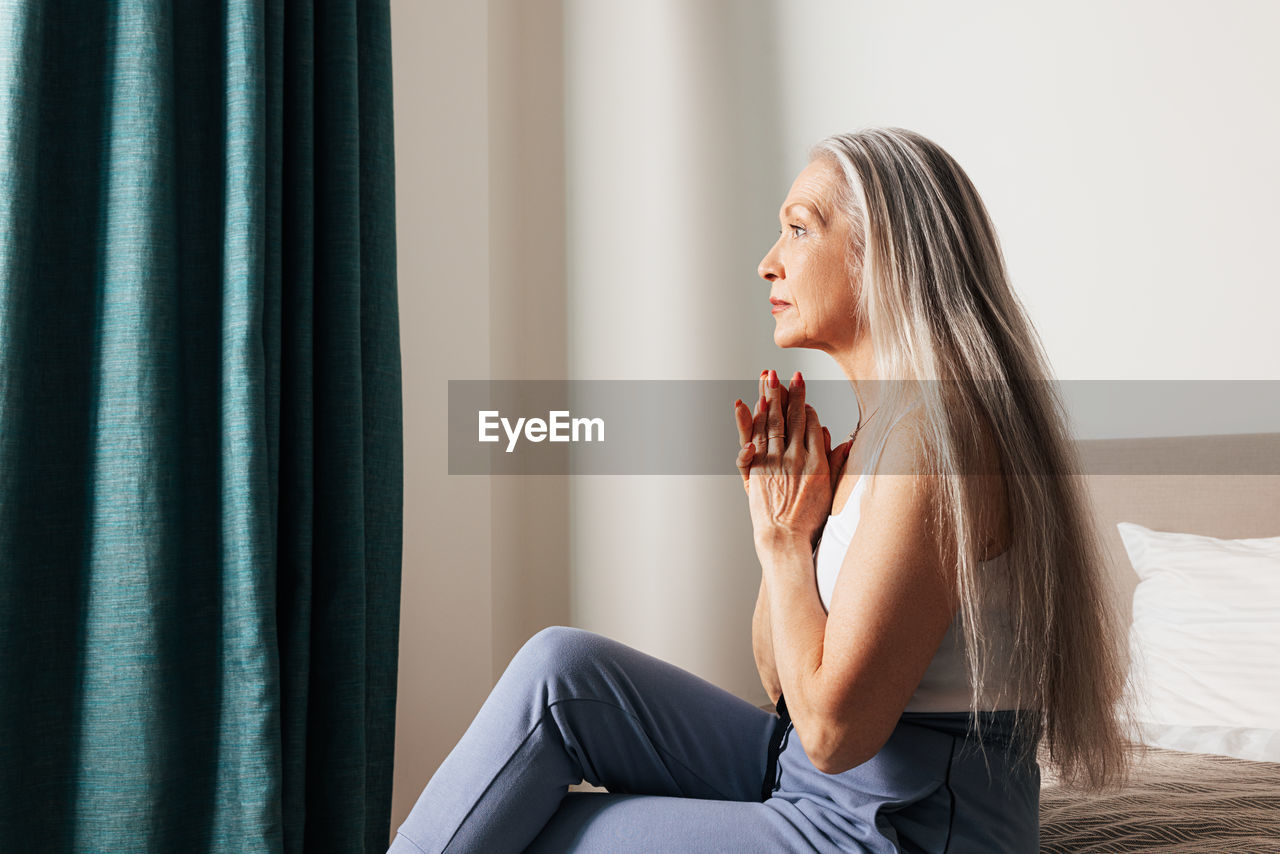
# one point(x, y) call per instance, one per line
point(853, 437)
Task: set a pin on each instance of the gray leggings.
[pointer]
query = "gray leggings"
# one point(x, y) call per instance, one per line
point(685, 763)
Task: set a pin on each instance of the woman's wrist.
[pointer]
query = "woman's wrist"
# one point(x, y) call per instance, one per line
point(772, 543)
point(784, 555)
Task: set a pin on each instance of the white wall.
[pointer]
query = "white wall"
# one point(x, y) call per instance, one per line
point(584, 190)
point(442, 236)
point(673, 171)
point(1126, 151)
point(480, 229)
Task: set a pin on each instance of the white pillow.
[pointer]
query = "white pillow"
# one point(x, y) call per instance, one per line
point(1205, 642)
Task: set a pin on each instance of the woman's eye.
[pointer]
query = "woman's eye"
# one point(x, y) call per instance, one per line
point(799, 229)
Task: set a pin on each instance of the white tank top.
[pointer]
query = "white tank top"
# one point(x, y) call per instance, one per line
point(946, 686)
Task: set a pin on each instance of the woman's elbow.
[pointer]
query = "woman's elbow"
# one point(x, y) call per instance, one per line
point(842, 748)
point(837, 762)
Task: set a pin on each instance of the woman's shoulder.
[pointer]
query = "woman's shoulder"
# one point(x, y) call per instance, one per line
point(904, 448)
point(907, 452)
point(902, 462)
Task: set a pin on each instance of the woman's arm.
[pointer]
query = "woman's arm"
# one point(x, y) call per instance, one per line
point(762, 646)
point(848, 675)
point(761, 620)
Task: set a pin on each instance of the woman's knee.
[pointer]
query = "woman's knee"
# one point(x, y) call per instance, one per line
point(557, 649)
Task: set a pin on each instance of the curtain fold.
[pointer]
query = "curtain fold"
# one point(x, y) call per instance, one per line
point(200, 426)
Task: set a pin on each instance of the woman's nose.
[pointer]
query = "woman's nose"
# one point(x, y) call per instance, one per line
point(769, 268)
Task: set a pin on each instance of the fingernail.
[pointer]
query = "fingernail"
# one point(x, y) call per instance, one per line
point(798, 380)
point(773, 379)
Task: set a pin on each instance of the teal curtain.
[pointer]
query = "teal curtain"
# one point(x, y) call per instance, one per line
point(200, 426)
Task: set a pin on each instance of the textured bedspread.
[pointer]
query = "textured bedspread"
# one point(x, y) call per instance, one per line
point(1175, 802)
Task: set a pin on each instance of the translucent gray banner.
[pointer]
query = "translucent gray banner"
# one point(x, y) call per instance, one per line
point(684, 427)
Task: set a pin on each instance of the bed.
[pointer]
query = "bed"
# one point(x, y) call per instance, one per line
point(1176, 800)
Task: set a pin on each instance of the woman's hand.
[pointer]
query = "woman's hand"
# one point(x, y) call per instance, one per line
point(788, 462)
point(748, 423)
point(745, 417)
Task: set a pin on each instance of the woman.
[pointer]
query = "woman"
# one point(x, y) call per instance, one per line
point(958, 614)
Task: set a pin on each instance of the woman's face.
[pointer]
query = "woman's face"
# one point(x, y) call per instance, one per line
point(806, 266)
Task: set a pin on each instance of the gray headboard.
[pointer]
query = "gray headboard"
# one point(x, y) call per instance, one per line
point(1192, 484)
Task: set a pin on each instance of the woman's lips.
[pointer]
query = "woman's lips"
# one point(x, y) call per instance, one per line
point(777, 306)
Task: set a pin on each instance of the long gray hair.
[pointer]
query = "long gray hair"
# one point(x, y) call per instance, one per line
point(949, 333)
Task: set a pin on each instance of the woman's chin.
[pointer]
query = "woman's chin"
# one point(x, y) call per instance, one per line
point(785, 338)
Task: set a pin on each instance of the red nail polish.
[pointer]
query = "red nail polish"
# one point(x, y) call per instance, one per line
point(798, 380)
point(773, 379)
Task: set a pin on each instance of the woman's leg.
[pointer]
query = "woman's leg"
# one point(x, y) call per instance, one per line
point(605, 823)
point(576, 705)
